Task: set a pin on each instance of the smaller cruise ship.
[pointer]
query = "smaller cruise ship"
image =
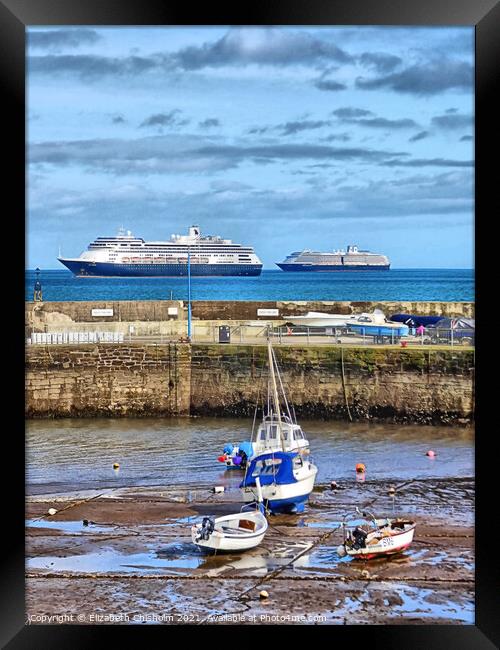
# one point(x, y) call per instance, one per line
point(352, 259)
point(127, 256)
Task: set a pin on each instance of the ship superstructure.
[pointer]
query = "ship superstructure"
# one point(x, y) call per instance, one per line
point(126, 255)
point(352, 259)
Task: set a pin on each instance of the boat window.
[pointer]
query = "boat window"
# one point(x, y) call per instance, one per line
point(273, 431)
point(265, 467)
point(263, 434)
point(297, 434)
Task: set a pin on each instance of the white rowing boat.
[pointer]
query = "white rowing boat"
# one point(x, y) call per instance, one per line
point(238, 532)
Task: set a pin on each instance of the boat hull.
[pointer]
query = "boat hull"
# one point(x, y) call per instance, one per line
point(86, 269)
point(232, 541)
point(333, 267)
point(284, 498)
point(379, 330)
point(386, 546)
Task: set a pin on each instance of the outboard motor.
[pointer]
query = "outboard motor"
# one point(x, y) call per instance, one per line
point(359, 538)
point(207, 527)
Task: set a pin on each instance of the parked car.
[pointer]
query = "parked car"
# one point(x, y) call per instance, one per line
point(446, 330)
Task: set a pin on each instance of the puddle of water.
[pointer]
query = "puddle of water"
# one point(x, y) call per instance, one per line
point(175, 556)
point(426, 603)
point(69, 526)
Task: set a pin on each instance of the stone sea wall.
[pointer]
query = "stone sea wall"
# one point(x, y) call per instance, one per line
point(43, 315)
point(400, 385)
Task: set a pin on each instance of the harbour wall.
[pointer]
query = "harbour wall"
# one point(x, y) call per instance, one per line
point(158, 310)
point(331, 382)
point(168, 317)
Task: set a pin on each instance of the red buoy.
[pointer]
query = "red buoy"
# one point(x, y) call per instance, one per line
point(360, 468)
point(221, 459)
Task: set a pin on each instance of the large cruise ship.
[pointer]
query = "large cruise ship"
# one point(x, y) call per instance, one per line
point(351, 259)
point(126, 255)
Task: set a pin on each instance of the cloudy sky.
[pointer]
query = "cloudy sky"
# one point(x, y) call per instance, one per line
point(281, 138)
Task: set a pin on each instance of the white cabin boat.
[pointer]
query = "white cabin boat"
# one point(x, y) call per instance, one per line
point(281, 454)
point(319, 319)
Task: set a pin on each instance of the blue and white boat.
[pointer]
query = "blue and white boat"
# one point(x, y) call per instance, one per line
point(281, 460)
point(376, 324)
point(127, 256)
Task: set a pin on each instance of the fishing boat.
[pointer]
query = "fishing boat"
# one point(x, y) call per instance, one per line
point(238, 532)
point(372, 537)
point(281, 462)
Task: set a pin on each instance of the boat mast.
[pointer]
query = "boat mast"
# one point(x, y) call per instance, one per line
point(275, 392)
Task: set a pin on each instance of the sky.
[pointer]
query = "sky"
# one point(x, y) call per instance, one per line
point(282, 138)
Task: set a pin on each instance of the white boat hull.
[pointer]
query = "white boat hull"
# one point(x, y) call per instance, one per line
point(388, 545)
point(229, 536)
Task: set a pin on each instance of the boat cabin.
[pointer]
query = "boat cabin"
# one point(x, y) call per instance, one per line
point(273, 435)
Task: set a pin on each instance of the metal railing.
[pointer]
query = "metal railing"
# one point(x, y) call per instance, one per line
point(280, 334)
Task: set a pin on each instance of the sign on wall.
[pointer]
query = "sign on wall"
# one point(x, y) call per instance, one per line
point(268, 312)
point(102, 312)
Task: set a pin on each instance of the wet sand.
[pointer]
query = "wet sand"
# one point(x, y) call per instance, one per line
point(135, 563)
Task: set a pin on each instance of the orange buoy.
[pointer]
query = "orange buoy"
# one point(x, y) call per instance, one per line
point(431, 453)
point(360, 468)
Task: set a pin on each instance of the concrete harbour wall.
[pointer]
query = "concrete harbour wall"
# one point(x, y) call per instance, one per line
point(426, 386)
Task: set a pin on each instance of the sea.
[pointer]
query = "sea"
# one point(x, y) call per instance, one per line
point(64, 455)
point(442, 285)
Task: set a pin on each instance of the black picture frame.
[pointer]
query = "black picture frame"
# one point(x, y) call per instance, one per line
point(15, 16)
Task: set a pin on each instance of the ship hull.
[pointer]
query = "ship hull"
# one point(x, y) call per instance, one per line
point(108, 269)
point(326, 268)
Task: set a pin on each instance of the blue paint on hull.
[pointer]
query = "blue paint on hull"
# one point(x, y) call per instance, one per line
point(292, 505)
point(106, 269)
point(326, 269)
point(380, 330)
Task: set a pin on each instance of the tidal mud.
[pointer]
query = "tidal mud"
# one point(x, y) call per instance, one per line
point(133, 562)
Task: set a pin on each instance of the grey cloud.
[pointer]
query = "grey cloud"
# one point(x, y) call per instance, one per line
point(425, 79)
point(329, 85)
point(297, 151)
point(165, 119)
point(380, 61)
point(429, 162)
point(291, 128)
point(244, 46)
point(419, 136)
point(57, 38)
point(349, 112)
point(383, 123)
point(342, 137)
point(466, 138)
point(118, 119)
point(452, 121)
point(92, 67)
point(181, 154)
point(209, 122)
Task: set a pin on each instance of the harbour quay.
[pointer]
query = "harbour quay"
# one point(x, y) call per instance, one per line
point(156, 370)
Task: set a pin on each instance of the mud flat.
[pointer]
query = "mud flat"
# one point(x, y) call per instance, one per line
point(134, 562)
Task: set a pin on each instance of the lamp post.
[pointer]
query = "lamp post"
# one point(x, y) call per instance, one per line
point(37, 291)
point(189, 294)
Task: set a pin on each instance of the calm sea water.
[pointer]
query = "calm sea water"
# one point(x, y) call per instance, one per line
point(78, 454)
point(445, 285)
